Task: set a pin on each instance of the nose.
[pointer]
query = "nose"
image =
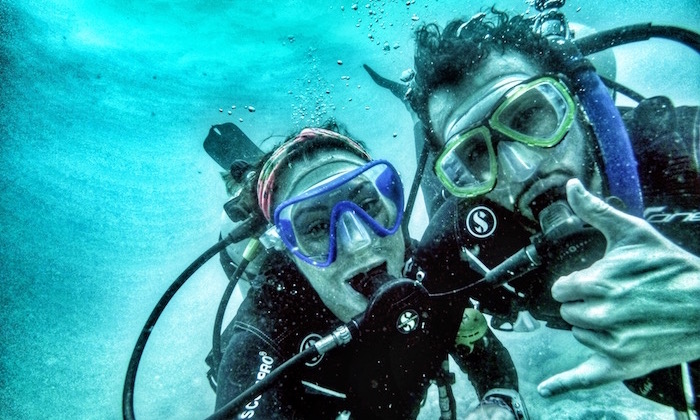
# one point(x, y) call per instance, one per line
point(518, 161)
point(352, 233)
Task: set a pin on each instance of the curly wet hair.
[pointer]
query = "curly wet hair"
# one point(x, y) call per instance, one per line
point(446, 56)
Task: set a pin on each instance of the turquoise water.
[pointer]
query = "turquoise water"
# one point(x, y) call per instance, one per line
point(107, 194)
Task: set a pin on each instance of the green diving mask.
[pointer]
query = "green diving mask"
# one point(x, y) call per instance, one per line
point(536, 112)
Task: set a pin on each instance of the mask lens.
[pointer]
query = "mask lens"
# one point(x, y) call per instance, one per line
point(309, 223)
point(467, 167)
point(538, 113)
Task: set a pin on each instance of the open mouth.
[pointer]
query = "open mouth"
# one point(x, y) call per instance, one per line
point(369, 281)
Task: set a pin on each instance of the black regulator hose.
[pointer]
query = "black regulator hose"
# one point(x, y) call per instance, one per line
point(420, 167)
point(251, 393)
point(339, 337)
point(611, 84)
point(389, 300)
point(248, 255)
point(242, 232)
point(633, 33)
point(219, 320)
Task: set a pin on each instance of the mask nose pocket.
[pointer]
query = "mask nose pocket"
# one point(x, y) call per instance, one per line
point(352, 233)
point(518, 161)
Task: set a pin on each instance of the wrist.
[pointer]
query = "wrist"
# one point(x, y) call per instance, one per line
point(508, 399)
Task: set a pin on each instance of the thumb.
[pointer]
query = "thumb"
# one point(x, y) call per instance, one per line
point(613, 223)
point(597, 370)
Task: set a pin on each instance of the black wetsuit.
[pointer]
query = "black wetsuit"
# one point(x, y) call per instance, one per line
point(665, 142)
point(376, 378)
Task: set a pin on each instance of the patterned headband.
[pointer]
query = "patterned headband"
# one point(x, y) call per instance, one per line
point(266, 180)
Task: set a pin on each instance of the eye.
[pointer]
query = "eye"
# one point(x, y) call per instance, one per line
point(317, 228)
point(370, 205)
point(534, 120)
point(311, 222)
point(473, 152)
point(365, 196)
point(533, 114)
point(469, 161)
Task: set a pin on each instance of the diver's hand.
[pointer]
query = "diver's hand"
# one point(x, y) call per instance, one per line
point(637, 307)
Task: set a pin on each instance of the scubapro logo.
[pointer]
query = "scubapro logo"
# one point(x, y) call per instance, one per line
point(481, 222)
point(407, 322)
point(265, 369)
point(307, 342)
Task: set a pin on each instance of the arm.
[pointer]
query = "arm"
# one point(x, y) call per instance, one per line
point(476, 350)
point(248, 358)
point(488, 365)
point(637, 308)
point(480, 354)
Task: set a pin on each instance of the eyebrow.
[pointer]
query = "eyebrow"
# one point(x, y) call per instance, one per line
point(309, 209)
point(486, 93)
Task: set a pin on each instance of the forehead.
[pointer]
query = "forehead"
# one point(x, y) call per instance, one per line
point(301, 174)
point(469, 100)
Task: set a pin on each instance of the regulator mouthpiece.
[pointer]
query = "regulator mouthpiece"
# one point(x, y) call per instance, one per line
point(564, 246)
point(368, 283)
point(556, 217)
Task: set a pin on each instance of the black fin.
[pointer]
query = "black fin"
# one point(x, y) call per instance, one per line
point(226, 143)
point(398, 89)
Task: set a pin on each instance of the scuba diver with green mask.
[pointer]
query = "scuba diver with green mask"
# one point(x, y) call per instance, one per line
point(544, 185)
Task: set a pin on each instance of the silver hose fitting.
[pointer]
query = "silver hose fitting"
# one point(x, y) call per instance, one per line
point(340, 337)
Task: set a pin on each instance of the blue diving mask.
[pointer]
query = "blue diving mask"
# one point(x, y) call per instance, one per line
point(338, 210)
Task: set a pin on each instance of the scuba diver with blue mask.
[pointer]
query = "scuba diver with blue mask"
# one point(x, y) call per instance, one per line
point(335, 250)
point(331, 325)
point(542, 187)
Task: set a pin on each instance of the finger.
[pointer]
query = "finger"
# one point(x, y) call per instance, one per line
point(587, 315)
point(580, 285)
point(597, 340)
point(613, 223)
point(566, 289)
point(597, 370)
point(592, 313)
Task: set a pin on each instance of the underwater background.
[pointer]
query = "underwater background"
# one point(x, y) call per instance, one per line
point(107, 195)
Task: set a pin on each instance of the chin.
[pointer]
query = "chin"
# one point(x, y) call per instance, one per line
point(395, 270)
point(356, 307)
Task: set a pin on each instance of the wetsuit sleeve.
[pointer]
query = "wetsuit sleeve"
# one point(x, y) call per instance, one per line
point(249, 357)
point(488, 366)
